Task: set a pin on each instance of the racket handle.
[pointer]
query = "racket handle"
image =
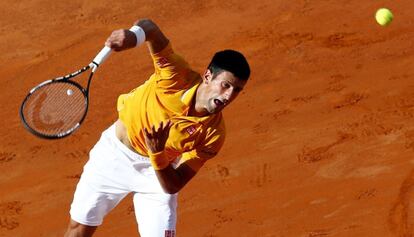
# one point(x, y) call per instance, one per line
point(100, 57)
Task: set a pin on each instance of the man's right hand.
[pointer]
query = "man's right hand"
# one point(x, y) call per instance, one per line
point(121, 40)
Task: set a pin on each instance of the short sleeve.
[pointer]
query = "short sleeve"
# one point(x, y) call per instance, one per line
point(197, 157)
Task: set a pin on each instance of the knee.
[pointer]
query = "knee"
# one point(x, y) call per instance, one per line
point(76, 229)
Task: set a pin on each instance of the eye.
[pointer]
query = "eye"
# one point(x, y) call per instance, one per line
point(225, 85)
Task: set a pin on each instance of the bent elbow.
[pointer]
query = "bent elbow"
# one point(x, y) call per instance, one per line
point(149, 27)
point(171, 190)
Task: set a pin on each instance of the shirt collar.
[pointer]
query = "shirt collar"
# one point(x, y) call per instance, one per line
point(188, 96)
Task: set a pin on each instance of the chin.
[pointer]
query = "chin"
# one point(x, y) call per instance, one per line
point(211, 111)
point(214, 110)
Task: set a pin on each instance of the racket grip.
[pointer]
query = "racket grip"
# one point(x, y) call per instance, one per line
point(100, 57)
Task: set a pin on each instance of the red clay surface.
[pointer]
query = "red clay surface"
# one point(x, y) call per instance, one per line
point(319, 144)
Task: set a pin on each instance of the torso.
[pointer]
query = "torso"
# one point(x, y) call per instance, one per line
point(168, 95)
point(122, 134)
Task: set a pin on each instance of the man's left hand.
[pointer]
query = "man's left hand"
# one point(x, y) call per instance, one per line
point(155, 139)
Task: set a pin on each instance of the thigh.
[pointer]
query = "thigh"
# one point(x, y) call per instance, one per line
point(93, 199)
point(156, 214)
point(101, 186)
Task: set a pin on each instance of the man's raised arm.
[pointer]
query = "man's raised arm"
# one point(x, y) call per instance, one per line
point(143, 30)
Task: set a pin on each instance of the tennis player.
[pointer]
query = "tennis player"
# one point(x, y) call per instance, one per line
point(167, 129)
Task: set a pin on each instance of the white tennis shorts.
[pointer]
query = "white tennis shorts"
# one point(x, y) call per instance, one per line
point(112, 172)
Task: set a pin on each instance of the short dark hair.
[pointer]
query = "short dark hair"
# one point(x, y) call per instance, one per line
point(231, 61)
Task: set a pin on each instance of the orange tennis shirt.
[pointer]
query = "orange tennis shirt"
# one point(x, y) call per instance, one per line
point(168, 94)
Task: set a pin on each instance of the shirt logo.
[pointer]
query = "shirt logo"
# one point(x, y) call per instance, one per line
point(162, 61)
point(169, 233)
point(190, 130)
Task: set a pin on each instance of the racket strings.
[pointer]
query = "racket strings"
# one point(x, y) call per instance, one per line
point(55, 108)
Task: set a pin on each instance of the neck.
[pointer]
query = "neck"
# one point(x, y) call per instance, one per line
point(196, 109)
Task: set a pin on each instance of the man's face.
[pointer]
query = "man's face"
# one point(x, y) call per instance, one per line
point(221, 91)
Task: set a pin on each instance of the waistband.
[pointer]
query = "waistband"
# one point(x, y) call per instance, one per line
point(111, 134)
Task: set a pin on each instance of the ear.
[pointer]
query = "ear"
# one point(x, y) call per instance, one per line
point(207, 76)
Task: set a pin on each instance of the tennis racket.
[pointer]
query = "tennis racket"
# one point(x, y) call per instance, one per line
point(56, 108)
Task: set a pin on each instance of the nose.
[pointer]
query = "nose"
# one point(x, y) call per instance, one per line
point(228, 95)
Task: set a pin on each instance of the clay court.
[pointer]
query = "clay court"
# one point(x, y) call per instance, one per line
point(320, 142)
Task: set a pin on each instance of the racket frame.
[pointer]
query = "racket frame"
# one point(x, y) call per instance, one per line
point(63, 79)
point(98, 60)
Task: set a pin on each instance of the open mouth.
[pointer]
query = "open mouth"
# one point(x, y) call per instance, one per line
point(218, 102)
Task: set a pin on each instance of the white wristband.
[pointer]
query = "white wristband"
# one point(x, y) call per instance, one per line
point(139, 33)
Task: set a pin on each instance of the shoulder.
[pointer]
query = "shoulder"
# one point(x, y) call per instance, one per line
point(216, 126)
point(169, 57)
point(214, 134)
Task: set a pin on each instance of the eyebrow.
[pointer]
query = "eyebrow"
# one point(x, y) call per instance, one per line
point(236, 88)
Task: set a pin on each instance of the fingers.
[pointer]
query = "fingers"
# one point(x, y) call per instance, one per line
point(154, 132)
point(155, 138)
point(167, 127)
point(163, 128)
point(160, 128)
point(114, 40)
point(146, 133)
point(120, 40)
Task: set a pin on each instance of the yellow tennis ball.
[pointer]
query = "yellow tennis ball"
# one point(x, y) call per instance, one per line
point(384, 16)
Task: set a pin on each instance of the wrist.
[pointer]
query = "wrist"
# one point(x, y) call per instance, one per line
point(159, 160)
point(139, 34)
